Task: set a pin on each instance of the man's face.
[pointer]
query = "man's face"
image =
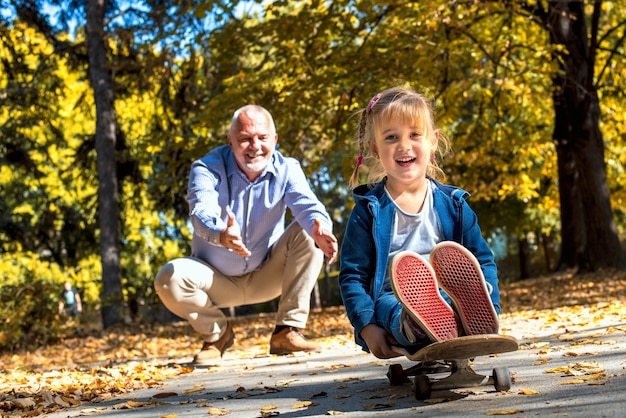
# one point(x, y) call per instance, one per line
point(252, 141)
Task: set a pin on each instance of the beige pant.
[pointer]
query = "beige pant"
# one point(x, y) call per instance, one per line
point(193, 290)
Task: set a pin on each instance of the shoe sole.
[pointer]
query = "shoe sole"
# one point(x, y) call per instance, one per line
point(217, 360)
point(460, 276)
point(414, 283)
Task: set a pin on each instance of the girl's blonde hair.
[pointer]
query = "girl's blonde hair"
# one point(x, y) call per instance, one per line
point(403, 104)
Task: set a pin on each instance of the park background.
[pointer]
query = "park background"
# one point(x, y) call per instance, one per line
point(104, 105)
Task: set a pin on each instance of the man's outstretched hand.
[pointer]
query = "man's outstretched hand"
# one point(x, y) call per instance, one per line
point(325, 240)
point(231, 239)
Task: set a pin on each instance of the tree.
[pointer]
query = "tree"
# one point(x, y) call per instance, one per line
point(108, 200)
point(588, 229)
point(489, 55)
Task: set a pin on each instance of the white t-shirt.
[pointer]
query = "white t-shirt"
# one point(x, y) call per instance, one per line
point(417, 232)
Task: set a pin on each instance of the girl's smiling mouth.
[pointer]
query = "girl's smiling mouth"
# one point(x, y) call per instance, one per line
point(405, 161)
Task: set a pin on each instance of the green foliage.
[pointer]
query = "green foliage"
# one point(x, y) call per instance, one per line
point(487, 66)
point(29, 297)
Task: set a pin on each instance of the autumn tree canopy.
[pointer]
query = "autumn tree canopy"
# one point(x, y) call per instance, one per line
point(529, 92)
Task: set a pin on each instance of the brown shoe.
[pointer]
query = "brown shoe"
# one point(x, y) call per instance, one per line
point(289, 340)
point(211, 353)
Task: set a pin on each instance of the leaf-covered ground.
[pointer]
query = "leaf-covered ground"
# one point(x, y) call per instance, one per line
point(93, 368)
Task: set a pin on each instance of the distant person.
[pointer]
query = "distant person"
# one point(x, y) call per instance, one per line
point(409, 235)
point(70, 303)
point(241, 251)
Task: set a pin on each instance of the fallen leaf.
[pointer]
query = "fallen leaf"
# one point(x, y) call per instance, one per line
point(373, 406)
point(186, 391)
point(218, 411)
point(572, 382)
point(162, 395)
point(436, 400)
point(303, 404)
point(528, 392)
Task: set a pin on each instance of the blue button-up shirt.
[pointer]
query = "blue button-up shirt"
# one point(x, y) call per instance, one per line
point(216, 185)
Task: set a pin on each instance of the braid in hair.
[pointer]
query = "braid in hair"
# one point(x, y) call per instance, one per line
point(354, 179)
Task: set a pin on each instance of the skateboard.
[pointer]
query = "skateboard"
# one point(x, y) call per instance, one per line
point(453, 356)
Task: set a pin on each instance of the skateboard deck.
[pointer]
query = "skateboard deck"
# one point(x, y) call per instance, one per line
point(454, 356)
point(463, 348)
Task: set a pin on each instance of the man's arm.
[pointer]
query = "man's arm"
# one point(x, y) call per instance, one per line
point(204, 210)
point(309, 211)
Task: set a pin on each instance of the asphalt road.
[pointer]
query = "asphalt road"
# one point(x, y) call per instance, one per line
point(575, 372)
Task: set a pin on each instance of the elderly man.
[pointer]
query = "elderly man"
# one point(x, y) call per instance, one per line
point(241, 251)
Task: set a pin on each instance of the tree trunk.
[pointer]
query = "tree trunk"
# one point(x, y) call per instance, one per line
point(549, 251)
point(589, 234)
point(524, 257)
point(108, 201)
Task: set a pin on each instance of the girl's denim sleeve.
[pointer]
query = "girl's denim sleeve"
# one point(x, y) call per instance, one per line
point(358, 266)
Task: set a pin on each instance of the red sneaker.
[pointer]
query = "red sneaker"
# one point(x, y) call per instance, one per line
point(414, 284)
point(460, 276)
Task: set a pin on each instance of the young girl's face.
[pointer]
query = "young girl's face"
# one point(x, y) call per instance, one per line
point(404, 150)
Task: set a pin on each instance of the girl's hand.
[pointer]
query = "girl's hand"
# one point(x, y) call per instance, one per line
point(379, 341)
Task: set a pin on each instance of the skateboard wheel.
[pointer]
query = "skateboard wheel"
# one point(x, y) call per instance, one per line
point(422, 387)
point(501, 379)
point(396, 374)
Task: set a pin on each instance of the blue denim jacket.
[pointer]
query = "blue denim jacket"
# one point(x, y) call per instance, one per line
point(367, 243)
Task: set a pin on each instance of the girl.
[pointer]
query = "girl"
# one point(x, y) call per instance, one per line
point(408, 235)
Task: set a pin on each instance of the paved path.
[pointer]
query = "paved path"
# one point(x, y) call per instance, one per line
point(576, 372)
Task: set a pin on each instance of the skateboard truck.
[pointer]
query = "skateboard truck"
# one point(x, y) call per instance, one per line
point(453, 357)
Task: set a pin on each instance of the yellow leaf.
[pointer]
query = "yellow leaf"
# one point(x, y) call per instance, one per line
point(303, 404)
point(572, 382)
point(134, 404)
point(528, 392)
point(218, 411)
point(504, 412)
point(558, 370)
point(595, 376)
point(186, 391)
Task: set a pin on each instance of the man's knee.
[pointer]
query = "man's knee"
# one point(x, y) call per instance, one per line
point(182, 276)
point(171, 281)
point(163, 279)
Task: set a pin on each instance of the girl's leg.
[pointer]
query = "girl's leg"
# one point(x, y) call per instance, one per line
point(391, 316)
point(414, 284)
point(460, 276)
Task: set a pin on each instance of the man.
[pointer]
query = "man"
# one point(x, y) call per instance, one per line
point(241, 252)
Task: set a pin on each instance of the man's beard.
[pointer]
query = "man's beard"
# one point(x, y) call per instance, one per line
point(257, 167)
